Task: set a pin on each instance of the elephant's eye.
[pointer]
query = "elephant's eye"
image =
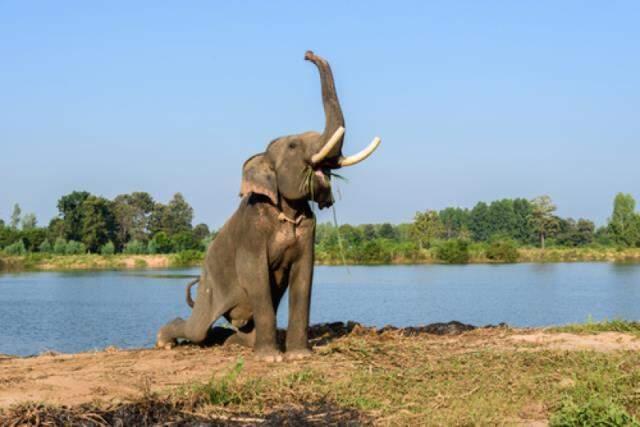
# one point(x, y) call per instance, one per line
point(292, 145)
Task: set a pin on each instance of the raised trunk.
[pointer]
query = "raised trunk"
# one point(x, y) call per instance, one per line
point(332, 111)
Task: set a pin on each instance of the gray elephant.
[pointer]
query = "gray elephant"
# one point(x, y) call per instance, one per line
point(267, 245)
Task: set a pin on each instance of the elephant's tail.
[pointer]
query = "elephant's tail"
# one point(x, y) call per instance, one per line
point(189, 286)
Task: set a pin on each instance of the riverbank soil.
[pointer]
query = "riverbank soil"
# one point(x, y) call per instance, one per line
point(356, 375)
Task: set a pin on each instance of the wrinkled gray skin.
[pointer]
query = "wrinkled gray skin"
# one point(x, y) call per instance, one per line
point(257, 254)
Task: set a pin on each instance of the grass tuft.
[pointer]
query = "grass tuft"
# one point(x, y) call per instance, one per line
point(591, 327)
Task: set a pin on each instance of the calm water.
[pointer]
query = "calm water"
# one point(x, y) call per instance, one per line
point(71, 312)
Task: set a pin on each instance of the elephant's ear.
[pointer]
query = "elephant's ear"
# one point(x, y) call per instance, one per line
point(259, 176)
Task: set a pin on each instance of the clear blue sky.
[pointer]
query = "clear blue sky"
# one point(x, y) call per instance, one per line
point(473, 100)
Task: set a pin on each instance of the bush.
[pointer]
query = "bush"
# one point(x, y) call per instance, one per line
point(60, 246)
point(108, 249)
point(187, 258)
point(454, 251)
point(75, 248)
point(161, 243)
point(135, 247)
point(503, 251)
point(16, 248)
point(45, 247)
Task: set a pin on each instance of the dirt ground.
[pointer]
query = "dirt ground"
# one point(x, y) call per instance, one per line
point(115, 375)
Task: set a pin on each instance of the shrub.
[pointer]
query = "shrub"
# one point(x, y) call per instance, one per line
point(75, 248)
point(162, 243)
point(187, 258)
point(108, 249)
point(135, 247)
point(45, 247)
point(454, 251)
point(16, 248)
point(60, 246)
point(503, 251)
point(151, 247)
point(184, 241)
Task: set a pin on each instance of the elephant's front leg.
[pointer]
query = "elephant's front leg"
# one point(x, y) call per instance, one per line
point(299, 304)
point(253, 272)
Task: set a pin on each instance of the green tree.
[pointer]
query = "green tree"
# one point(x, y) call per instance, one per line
point(29, 221)
point(624, 225)
point(541, 218)
point(161, 243)
point(98, 222)
point(177, 216)
point(454, 220)
point(479, 222)
point(426, 228)
point(387, 231)
point(369, 232)
point(15, 216)
point(133, 213)
point(523, 231)
point(55, 229)
point(200, 232)
point(70, 207)
point(156, 218)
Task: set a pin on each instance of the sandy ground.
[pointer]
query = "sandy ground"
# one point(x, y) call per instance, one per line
point(116, 375)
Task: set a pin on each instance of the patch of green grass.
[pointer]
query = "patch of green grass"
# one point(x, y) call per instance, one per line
point(594, 412)
point(591, 327)
point(222, 391)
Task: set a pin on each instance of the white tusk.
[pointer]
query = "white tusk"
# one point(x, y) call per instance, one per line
point(357, 158)
point(324, 151)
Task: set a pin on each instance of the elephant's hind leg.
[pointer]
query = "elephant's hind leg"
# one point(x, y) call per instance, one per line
point(195, 328)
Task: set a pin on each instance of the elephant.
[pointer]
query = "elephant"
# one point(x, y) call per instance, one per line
point(267, 245)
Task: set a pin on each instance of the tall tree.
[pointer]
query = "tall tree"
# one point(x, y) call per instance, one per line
point(523, 231)
point(454, 221)
point(133, 213)
point(624, 224)
point(70, 207)
point(201, 232)
point(541, 218)
point(98, 223)
point(479, 224)
point(426, 227)
point(387, 231)
point(29, 221)
point(15, 216)
point(178, 215)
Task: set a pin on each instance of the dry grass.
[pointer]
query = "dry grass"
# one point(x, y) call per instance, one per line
point(394, 377)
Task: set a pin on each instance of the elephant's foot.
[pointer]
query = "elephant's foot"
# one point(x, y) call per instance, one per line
point(268, 355)
point(298, 354)
point(166, 338)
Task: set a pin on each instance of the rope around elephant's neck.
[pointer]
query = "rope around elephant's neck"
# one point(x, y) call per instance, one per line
point(282, 217)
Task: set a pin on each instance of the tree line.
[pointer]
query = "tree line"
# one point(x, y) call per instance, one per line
point(136, 224)
point(130, 223)
point(497, 228)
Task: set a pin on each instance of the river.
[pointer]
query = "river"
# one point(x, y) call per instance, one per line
point(80, 311)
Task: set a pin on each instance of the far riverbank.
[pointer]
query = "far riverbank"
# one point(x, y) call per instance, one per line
point(48, 262)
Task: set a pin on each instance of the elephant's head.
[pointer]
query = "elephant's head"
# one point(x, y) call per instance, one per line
point(298, 167)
